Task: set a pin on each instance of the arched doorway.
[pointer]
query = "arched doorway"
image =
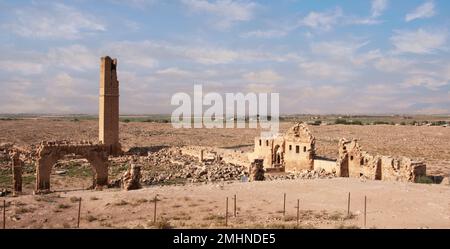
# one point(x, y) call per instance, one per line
point(49, 155)
point(277, 156)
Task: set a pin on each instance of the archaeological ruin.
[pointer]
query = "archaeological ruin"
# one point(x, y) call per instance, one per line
point(108, 112)
point(354, 162)
point(50, 152)
point(295, 151)
point(291, 155)
point(96, 153)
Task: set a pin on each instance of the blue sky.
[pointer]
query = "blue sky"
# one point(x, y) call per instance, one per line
point(348, 57)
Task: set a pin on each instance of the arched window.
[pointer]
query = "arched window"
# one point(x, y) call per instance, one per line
point(304, 148)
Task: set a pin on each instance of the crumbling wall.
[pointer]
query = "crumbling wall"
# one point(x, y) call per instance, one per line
point(293, 151)
point(354, 162)
point(402, 169)
point(50, 152)
point(257, 170)
point(131, 180)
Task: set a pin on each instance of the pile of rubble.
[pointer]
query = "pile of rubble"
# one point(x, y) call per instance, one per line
point(304, 174)
point(169, 165)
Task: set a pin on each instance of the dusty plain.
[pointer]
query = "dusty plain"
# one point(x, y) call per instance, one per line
point(323, 202)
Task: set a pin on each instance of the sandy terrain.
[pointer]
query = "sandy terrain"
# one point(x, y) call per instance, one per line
point(431, 144)
point(323, 204)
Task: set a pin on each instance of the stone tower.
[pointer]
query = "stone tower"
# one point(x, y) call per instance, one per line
point(109, 105)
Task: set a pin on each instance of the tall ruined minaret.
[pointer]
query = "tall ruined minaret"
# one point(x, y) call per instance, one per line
point(108, 132)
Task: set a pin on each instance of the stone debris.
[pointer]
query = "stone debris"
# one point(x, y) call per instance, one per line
point(257, 170)
point(169, 165)
point(304, 174)
point(131, 180)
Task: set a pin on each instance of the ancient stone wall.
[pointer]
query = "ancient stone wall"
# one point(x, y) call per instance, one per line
point(354, 162)
point(50, 152)
point(293, 151)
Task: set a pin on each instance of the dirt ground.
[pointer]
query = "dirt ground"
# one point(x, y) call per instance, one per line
point(323, 204)
point(431, 144)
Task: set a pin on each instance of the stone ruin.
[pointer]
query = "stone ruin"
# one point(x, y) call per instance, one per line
point(294, 153)
point(108, 127)
point(354, 162)
point(257, 170)
point(16, 156)
point(50, 152)
point(131, 180)
point(291, 152)
point(97, 154)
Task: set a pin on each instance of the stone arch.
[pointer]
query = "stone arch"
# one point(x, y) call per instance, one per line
point(96, 155)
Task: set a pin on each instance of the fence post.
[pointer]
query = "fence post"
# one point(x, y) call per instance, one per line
point(79, 212)
point(284, 204)
point(365, 211)
point(234, 205)
point(4, 214)
point(348, 205)
point(226, 213)
point(154, 211)
point(298, 211)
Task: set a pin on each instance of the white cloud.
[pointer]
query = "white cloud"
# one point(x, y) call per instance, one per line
point(392, 64)
point(74, 57)
point(427, 80)
point(265, 76)
point(22, 67)
point(419, 41)
point(425, 10)
point(57, 21)
point(174, 72)
point(227, 11)
point(322, 20)
point(325, 71)
point(271, 33)
point(378, 6)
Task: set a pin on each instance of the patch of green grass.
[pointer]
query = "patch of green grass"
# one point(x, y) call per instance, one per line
point(424, 180)
point(5, 179)
point(63, 206)
point(28, 179)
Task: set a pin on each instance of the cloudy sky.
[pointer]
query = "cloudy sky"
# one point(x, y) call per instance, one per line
point(380, 56)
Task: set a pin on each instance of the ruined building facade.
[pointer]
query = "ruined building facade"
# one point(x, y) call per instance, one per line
point(354, 162)
point(109, 105)
point(293, 151)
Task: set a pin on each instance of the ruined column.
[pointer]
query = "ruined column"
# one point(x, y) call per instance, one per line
point(17, 165)
point(109, 105)
point(257, 170)
point(132, 178)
